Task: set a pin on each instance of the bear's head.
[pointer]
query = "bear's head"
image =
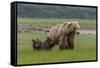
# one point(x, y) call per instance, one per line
point(36, 44)
point(74, 27)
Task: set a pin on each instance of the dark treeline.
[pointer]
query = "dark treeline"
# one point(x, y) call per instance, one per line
point(52, 11)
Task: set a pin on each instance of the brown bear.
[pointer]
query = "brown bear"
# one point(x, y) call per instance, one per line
point(63, 34)
point(53, 33)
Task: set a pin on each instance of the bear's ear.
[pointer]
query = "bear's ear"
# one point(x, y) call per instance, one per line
point(38, 40)
point(69, 25)
point(33, 40)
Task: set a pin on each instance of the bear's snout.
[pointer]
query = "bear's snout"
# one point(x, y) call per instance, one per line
point(77, 33)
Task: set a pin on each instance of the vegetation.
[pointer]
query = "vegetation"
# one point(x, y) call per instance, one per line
point(85, 49)
point(84, 23)
point(85, 44)
point(53, 11)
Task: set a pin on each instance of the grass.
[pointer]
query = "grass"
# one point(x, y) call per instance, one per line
point(84, 23)
point(85, 45)
point(85, 49)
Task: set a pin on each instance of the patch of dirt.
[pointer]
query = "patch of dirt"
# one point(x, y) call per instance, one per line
point(29, 28)
point(87, 31)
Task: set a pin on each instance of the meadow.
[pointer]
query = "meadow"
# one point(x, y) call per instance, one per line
point(85, 44)
point(84, 23)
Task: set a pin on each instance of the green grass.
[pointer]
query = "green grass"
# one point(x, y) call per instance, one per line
point(85, 49)
point(84, 23)
point(85, 45)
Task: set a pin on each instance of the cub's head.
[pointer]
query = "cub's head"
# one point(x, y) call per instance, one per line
point(36, 44)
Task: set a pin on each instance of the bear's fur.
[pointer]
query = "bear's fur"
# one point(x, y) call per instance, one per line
point(47, 44)
point(63, 34)
point(53, 33)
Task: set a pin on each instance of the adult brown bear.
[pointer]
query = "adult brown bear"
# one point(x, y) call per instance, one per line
point(63, 34)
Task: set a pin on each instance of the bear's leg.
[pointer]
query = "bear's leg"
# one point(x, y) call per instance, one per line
point(61, 43)
point(71, 41)
point(66, 42)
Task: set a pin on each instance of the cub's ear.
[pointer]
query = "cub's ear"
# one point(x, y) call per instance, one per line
point(33, 40)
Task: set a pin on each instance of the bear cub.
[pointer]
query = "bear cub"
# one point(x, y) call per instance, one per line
point(45, 45)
